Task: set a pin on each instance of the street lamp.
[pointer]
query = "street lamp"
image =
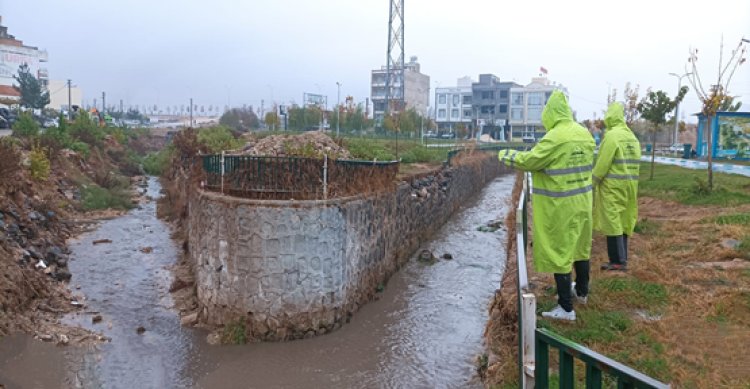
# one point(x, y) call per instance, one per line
point(677, 106)
point(338, 107)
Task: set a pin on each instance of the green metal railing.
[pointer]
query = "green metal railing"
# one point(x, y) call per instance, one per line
point(596, 365)
point(534, 344)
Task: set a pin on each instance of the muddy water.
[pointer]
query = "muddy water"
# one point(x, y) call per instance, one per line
point(423, 332)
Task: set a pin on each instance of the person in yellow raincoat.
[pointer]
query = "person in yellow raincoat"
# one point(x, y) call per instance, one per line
point(561, 166)
point(616, 186)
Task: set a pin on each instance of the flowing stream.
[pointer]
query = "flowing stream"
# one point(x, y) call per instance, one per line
point(424, 331)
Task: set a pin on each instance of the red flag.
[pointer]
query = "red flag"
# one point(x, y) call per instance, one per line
point(543, 70)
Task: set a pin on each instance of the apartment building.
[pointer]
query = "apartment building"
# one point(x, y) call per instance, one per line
point(416, 89)
point(526, 105)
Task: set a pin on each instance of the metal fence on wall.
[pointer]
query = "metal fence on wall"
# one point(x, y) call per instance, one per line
point(284, 178)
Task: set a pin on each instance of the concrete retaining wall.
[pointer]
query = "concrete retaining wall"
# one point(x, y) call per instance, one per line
point(293, 269)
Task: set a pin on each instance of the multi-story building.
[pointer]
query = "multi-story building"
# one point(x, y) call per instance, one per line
point(13, 54)
point(526, 104)
point(453, 106)
point(490, 102)
point(416, 89)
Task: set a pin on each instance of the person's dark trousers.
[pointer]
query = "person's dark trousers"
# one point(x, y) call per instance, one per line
point(563, 283)
point(617, 249)
point(582, 269)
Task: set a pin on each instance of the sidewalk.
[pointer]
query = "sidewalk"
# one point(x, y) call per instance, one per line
point(693, 164)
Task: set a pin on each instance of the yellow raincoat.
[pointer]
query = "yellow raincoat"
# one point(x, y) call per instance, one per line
point(561, 194)
point(616, 176)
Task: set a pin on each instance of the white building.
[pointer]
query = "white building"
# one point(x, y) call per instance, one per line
point(453, 105)
point(526, 104)
point(416, 89)
point(13, 53)
point(58, 95)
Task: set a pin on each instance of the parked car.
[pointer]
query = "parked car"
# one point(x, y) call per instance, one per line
point(676, 148)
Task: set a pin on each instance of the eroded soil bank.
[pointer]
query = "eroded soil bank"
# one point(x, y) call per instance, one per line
point(425, 329)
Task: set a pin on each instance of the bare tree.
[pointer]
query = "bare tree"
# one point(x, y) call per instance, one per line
point(713, 97)
point(631, 103)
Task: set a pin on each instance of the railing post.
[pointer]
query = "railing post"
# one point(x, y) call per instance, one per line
point(222, 172)
point(541, 373)
point(325, 177)
point(567, 370)
point(593, 377)
point(528, 315)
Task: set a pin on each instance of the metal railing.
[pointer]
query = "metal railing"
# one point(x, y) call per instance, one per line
point(534, 343)
point(596, 364)
point(299, 178)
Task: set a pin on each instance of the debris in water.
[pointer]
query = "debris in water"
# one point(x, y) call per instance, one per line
point(140, 330)
point(491, 226)
point(99, 241)
point(96, 319)
point(147, 250)
point(426, 256)
point(63, 340)
point(40, 265)
point(447, 256)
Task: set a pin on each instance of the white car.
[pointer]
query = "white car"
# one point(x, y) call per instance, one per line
point(676, 148)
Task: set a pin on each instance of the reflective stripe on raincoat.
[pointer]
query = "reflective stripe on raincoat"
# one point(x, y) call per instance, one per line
point(616, 176)
point(561, 166)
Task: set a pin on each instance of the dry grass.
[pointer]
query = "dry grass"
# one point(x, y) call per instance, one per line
point(10, 162)
point(501, 333)
point(676, 315)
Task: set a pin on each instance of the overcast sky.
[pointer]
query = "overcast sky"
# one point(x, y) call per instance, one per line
point(149, 51)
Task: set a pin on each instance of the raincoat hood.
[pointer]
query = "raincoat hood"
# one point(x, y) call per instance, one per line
point(615, 115)
point(556, 110)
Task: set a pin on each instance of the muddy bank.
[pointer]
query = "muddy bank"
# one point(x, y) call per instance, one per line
point(423, 330)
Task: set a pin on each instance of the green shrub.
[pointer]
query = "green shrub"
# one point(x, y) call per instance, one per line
point(81, 148)
point(25, 126)
point(155, 163)
point(86, 129)
point(218, 138)
point(39, 163)
point(96, 197)
point(234, 333)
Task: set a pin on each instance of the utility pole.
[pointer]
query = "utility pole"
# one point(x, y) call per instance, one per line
point(104, 102)
point(191, 113)
point(70, 102)
point(338, 107)
point(677, 106)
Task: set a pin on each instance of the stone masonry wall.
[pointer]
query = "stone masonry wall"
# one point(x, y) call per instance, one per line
point(293, 269)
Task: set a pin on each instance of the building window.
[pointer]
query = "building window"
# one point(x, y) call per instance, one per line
point(441, 99)
point(503, 94)
point(467, 99)
point(456, 99)
point(534, 114)
point(488, 95)
point(546, 97)
point(503, 108)
point(467, 113)
point(488, 109)
point(516, 114)
point(455, 114)
point(536, 98)
point(516, 98)
point(441, 113)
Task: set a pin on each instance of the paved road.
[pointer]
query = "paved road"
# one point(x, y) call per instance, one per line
point(693, 164)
